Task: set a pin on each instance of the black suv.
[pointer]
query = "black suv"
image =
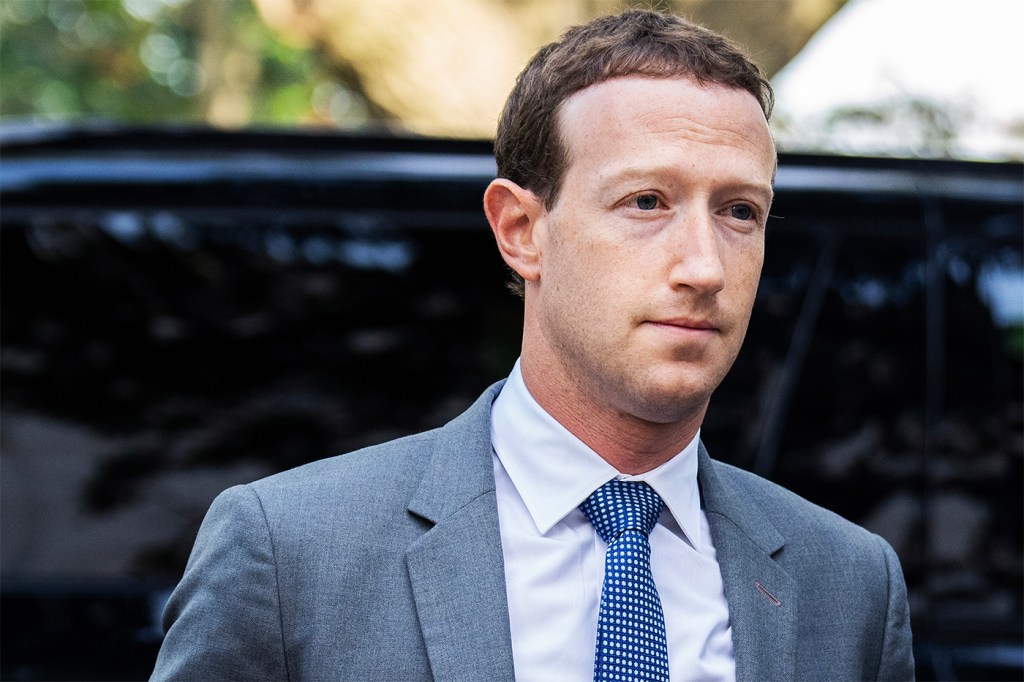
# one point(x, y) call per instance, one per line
point(187, 309)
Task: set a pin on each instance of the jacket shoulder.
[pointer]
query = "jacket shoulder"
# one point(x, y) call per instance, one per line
point(397, 466)
point(399, 460)
point(849, 581)
point(797, 518)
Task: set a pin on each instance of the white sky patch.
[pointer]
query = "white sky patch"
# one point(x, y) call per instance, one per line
point(965, 58)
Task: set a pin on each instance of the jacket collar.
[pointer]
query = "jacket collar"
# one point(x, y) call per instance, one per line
point(456, 568)
point(762, 597)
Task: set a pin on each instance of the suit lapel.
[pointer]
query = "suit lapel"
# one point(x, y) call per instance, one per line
point(456, 568)
point(761, 596)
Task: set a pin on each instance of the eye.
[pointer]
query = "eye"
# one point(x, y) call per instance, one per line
point(742, 212)
point(646, 202)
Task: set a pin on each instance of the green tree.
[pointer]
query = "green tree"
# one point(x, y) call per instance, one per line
point(149, 61)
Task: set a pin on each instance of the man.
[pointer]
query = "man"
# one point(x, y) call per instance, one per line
point(635, 173)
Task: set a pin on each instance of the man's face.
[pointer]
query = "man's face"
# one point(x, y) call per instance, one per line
point(651, 255)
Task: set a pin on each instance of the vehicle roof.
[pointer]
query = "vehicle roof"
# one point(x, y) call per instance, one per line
point(35, 156)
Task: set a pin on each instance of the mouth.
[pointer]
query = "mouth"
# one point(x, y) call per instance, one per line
point(686, 331)
point(685, 324)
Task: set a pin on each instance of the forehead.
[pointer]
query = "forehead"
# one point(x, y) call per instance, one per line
point(640, 117)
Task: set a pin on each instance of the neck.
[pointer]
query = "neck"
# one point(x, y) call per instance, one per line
point(629, 443)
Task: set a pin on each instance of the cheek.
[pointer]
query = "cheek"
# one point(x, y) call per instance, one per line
point(743, 274)
point(747, 260)
point(580, 265)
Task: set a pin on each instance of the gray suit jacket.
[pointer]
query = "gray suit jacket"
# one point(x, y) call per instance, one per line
point(386, 564)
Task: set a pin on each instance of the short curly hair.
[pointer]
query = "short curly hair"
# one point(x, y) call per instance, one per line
point(637, 42)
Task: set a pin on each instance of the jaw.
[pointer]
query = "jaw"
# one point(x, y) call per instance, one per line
point(636, 398)
point(664, 394)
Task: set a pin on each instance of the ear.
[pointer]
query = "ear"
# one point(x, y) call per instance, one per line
point(513, 213)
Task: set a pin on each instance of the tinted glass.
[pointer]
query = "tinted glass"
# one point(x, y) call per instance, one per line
point(162, 342)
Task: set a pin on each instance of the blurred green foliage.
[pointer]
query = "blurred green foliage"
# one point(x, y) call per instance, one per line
point(148, 61)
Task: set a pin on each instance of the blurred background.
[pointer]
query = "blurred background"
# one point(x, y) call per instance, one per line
point(903, 77)
point(241, 235)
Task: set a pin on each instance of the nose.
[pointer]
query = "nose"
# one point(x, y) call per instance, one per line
point(696, 255)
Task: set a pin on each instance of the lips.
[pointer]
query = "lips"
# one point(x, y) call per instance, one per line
point(686, 324)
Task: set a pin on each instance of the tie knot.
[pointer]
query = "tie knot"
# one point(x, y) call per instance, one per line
point(619, 506)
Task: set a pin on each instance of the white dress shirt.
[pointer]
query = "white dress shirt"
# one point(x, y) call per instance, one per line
point(554, 559)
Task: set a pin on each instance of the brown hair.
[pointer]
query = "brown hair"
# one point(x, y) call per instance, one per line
point(637, 42)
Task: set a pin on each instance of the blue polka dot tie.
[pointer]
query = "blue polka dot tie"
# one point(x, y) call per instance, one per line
point(631, 641)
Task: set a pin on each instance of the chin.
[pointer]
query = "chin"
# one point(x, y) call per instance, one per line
point(672, 402)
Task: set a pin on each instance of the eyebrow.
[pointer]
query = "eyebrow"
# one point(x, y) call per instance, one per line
point(628, 173)
point(765, 191)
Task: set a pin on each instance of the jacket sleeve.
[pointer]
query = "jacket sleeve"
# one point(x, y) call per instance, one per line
point(897, 657)
point(223, 620)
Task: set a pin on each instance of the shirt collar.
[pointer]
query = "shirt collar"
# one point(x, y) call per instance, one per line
point(554, 471)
